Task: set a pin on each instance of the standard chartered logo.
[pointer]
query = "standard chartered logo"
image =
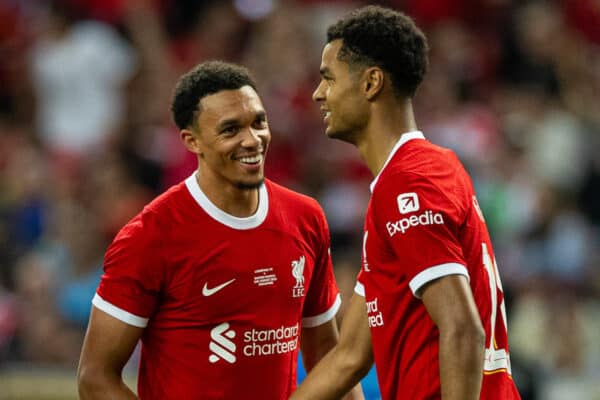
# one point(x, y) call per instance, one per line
point(256, 342)
point(374, 316)
point(270, 341)
point(221, 345)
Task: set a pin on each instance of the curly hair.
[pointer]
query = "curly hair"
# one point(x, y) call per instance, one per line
point(204, 79)
point(378, 36)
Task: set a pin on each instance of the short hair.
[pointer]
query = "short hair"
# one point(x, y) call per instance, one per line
point(205, 79)
point(378, 36)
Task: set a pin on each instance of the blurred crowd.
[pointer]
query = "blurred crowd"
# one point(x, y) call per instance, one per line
point(86, 139)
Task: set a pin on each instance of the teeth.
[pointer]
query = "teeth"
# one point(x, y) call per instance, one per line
point(251, 160)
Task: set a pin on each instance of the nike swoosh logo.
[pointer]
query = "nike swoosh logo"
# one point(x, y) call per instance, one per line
point(206, 291)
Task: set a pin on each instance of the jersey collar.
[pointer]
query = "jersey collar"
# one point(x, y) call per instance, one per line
point(227, 219)
point(405, 137)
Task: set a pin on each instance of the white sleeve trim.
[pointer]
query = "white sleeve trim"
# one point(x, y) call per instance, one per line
point(359, 289)
point(119, 313)
point(435, 272)
point(311, 322)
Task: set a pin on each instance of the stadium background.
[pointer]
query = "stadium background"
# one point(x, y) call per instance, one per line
point(86, 139)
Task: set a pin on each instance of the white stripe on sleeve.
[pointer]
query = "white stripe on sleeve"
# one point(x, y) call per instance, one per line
point(119, 313)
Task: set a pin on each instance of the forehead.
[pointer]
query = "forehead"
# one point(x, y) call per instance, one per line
point(330, 51)
point(230, 104)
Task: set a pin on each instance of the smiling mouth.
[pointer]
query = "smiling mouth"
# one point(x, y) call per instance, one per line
point(251, 160)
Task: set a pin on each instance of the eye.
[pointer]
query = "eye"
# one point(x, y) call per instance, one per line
point(260, 122)
point(230, 130)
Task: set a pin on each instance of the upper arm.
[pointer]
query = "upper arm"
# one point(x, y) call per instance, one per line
point(108, 344)
point(316, 341)
point(354, 341)
point(355, 336)
point(450, 303)
point(354, 349)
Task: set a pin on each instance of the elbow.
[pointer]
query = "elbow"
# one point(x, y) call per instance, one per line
point(477, 335)
point(356, 363)
point(89, 382)
point(85, 382)
point(465, 336)
point(473, 333)
point(363, 365)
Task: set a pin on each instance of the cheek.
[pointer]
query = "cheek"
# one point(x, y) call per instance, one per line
point(341, 96)
point(352, 110)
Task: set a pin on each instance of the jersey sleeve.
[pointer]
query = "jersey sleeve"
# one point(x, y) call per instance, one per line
point(131, 282)
point(421, 222)
point(323, 298)
point(359, 287)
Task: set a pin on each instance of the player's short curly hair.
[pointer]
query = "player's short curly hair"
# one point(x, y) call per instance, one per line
point(206, 78)
point(377, 36)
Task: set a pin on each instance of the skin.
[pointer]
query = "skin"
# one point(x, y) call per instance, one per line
point(348, 362)
point(316, 343)
point(362, 109)
point(107, 347)
point(231, 127)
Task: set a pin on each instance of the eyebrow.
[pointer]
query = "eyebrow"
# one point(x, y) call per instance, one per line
point(237, 121)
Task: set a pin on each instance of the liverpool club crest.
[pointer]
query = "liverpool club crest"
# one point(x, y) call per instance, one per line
point(298, 274)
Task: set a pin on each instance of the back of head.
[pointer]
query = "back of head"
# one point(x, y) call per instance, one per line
point(205, 79)
point(377, 36)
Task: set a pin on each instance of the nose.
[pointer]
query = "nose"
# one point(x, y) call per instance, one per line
point(319, 93)
point(252, 138)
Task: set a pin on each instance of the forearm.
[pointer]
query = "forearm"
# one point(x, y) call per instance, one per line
point(334, 376)
point(461, 364)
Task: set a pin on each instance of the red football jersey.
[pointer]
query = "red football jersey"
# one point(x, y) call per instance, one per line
point(423, 222)
point(223, 299)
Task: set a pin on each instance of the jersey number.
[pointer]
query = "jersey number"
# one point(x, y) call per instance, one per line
point(495, 358)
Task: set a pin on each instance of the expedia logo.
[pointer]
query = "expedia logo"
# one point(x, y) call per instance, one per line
point(404, 224)
point(408, 202)
point(221, 346)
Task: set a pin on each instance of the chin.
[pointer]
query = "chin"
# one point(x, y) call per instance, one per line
point(250, 185)
point(339, 135)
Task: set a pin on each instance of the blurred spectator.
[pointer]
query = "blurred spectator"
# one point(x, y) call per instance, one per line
point(78, 72)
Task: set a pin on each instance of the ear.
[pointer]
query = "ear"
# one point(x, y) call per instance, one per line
point(373, 82)
point(191, 141)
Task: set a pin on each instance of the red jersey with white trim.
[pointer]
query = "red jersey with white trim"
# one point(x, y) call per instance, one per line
point(423, 222)
point(223, 299)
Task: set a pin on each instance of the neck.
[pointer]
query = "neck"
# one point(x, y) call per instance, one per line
point(229, 198)
point(387, 123)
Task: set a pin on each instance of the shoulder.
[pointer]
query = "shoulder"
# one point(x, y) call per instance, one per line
point(427, 174)
point(424, 157)
point(158, 213)
point(424, 163)
point(298, 213)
